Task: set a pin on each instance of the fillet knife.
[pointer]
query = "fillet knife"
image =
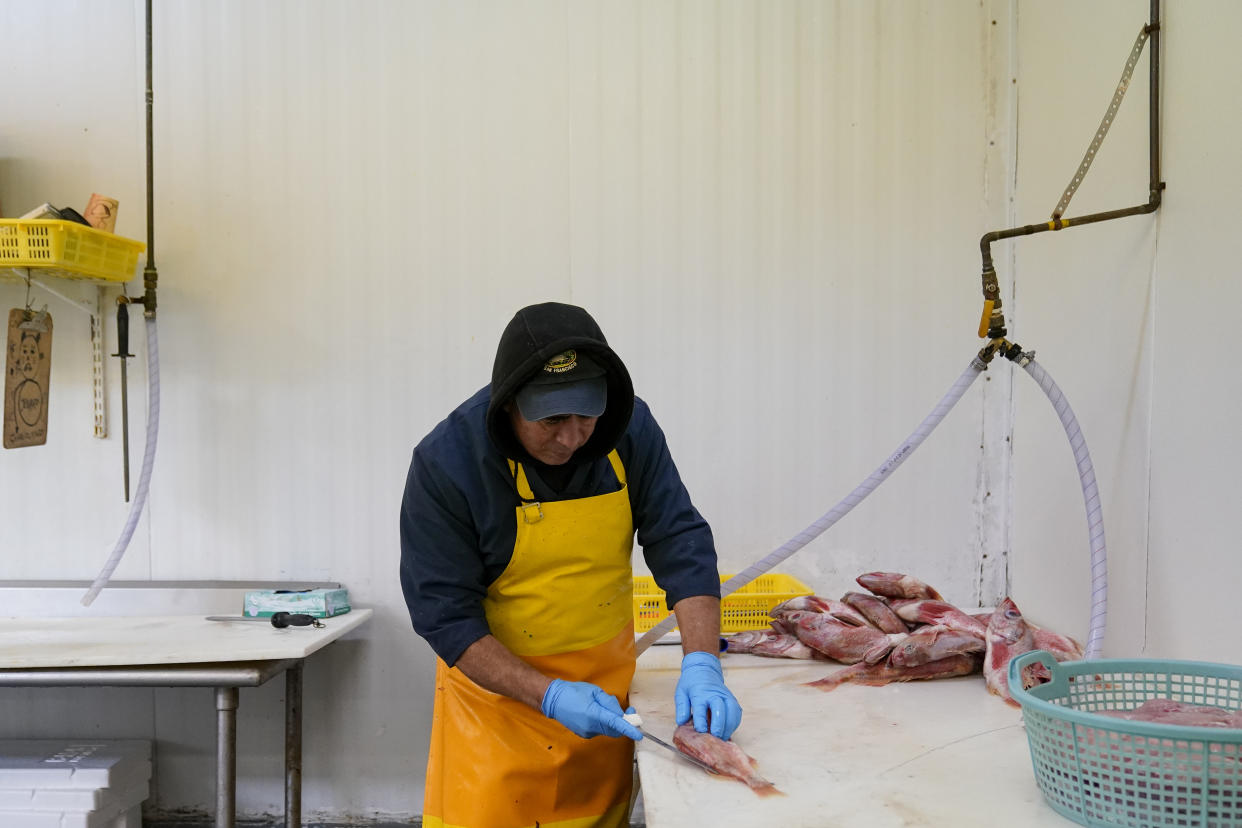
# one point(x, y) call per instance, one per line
point(647, 735)
point(637, 721)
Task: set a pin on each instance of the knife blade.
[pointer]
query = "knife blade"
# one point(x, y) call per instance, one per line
point(637, 721)
point(648, 735)
point(277, 619)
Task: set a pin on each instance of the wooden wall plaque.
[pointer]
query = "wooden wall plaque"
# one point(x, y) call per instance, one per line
point(27, 377)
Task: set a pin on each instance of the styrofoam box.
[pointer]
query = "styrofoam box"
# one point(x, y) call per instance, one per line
point(73, 783)
point(67, 799)
point(121, 811)
point(72, 763)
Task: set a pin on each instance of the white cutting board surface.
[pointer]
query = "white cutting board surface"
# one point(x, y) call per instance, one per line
point(932, 753)
point(159, 639)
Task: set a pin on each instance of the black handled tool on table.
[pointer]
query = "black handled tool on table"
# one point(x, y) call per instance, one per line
point(278, 619)
point(122, 351)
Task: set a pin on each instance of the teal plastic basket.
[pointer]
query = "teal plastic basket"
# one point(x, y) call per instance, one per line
point(1102, 771)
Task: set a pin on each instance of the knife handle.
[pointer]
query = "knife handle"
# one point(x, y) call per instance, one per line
point(122, 328)
point(294, 619)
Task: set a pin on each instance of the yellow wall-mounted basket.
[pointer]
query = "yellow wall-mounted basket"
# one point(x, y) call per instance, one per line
point(66, 249)
point(746, 609)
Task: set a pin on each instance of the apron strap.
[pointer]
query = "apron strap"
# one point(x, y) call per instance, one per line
point(532, 510)
point(618, 469)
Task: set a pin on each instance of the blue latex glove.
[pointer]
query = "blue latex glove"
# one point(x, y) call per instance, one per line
point(700, 690)
point(586, 710)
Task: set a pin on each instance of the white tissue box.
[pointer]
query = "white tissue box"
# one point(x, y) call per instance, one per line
point(321, 603)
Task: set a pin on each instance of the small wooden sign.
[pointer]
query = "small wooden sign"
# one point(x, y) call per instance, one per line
point(27, 376)
point(101, 212)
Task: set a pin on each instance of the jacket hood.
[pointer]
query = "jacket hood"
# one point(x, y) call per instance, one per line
point(536, 334)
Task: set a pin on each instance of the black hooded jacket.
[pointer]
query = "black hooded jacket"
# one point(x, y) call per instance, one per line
point(536, 334)
point(458, 515)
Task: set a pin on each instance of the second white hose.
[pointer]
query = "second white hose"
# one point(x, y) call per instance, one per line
point(1091, 498)
point(148, 461)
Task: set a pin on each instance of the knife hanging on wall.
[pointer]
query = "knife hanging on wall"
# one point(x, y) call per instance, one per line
point(122, 351)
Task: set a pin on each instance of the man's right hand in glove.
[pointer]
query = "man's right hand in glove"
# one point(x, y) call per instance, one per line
point(586, 710)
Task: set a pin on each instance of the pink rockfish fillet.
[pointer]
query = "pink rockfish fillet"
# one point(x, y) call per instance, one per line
point(933, 643)
point(725, 758)
point(1009, 636)
point(1168, 711)
point(771, 643)
point(930, 611)
point(876, 610)
point(814, 603)
point(877, 675)
point(842, 642)
point(897, 585)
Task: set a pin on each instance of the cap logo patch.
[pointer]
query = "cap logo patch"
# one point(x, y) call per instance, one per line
point(562, 362)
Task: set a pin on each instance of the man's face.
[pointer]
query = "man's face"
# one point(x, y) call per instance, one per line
point(552, 440)
point(27, 356)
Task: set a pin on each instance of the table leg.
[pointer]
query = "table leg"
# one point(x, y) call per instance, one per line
point(293, 746)
point(226, 757)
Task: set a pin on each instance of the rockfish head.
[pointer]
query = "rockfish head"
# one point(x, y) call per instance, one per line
point(744, 641)
point(800, 603)
point(1008, 627)
point(1008, 635)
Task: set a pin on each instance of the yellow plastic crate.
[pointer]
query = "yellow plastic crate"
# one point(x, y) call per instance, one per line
point(746, 609)
point(66, 249)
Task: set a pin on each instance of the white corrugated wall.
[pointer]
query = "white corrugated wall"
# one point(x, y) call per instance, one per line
point(772, 208)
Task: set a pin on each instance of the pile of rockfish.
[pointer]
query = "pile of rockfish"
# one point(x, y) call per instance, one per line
point(901, 629)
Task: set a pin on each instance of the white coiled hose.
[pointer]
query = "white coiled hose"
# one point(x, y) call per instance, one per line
point(1091, 498)
point(148, 460)
point(1086, 476)
point(820, 525)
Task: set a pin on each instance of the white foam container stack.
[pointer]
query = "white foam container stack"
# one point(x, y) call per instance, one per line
point(73, 783)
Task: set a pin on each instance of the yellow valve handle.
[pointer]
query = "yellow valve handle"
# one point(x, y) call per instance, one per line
point(988, 304)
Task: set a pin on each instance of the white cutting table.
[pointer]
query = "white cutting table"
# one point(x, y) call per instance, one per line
point(177, 651)
point(930, 753)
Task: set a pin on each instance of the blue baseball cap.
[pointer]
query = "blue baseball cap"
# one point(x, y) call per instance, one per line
point(568, 383)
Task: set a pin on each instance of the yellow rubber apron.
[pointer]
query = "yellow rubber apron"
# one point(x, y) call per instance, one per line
point(564, 604)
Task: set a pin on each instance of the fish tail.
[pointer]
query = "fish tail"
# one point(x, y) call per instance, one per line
point(826, 684)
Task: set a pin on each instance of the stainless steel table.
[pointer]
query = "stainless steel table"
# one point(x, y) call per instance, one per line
point(177, 651)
